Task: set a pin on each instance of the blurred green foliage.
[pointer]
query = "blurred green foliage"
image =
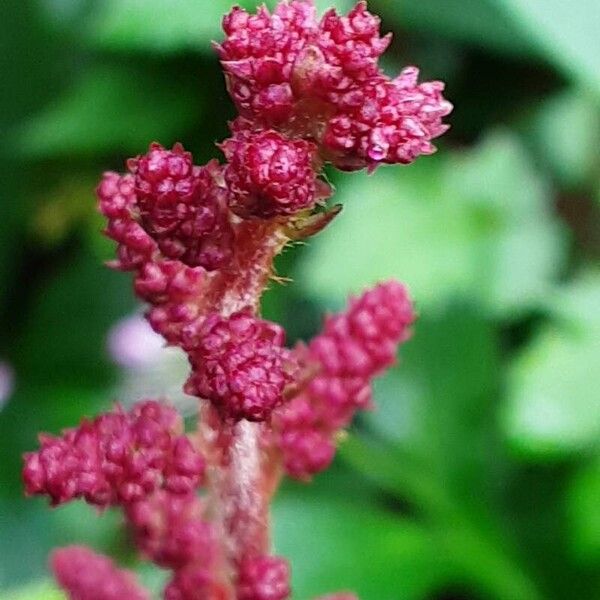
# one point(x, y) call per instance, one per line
point(478, 476)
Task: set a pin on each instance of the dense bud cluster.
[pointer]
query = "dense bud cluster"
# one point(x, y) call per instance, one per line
point(269, 175)
point(240, 364)
point(387, 121)
point(352, 45)
point(264, 578)
point(183, 207)
point(117, 458)
point(258, 56)
point(354, 347)
point(85, 575)
point(321, 80)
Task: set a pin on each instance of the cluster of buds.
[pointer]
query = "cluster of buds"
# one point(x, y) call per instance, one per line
point(200, 242)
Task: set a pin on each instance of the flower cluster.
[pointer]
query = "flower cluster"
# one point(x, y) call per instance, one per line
point(200, 242)
point(354, 347)
point(321, 80)
point(85, 575)
point(116, 458)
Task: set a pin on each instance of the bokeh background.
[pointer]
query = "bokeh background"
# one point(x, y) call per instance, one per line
point(478, 477)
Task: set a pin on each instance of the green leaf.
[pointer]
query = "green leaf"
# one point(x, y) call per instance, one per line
point(164, 26)
point(553, 404)
point(36, 591)
point(34, 530)
point(566, 134)
point(112, 109)
point(375, 554)
point(438, 404)
point(64, 337)
point(479, 22)
point(475, 225)
point(584, 512)
point(567, 33)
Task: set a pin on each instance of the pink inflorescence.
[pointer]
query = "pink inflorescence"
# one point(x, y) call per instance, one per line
point(183, 207)
point(264, 578)
point(118, 458)
point(85, 575)
point(240, 365)
point(321, 80)
point(354, 347)
point(269, 174)
point(200, 242)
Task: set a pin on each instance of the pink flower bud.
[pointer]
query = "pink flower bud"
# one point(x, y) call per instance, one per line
point(117, 202)
point(264, 578)
point(270, 175)
point(239, 363)
point(85, 575)
point(183, 207)
point(116, 195)
point(386, 121)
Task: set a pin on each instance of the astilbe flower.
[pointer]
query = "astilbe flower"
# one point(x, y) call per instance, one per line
point(170, 287)
point(258, 56)
point(85, 575)
point(388, 121)
point(321, 80)
point(269, 175)
point(116, 458)
point(240, 365)
point(200, 242)
point(354, 347)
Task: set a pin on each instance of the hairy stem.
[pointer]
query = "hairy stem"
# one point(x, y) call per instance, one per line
point(246, 504)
